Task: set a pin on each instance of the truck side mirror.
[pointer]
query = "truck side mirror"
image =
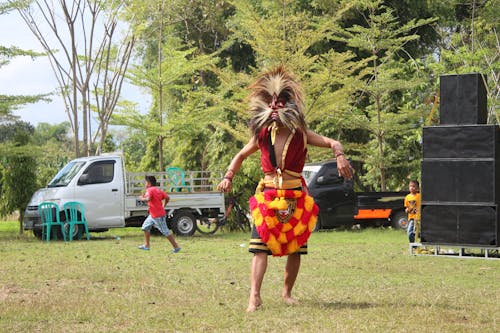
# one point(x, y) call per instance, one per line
point(84, 179)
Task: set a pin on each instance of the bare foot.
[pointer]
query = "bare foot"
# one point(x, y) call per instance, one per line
point(290, 300)
point(253, 304)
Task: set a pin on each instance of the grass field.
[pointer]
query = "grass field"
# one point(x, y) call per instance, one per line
point(351, 281)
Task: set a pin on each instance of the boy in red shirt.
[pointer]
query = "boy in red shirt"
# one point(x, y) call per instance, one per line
point(157, 199)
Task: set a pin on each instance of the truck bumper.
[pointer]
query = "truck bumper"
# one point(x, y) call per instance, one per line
point(31, 219)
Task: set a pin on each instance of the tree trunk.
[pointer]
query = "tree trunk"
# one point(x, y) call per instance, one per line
point(380, 142)
point(21, 218)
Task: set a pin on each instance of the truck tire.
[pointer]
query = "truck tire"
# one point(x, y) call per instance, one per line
point(184, 223)
point(55, 231)
point(78, 231)
point(37, 233)
point(399, 220)
point(207, 226)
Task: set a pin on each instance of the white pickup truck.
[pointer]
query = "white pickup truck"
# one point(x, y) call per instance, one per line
point(110, 195)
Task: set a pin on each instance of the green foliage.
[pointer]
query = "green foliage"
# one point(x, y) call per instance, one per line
point(472, 46)
point(54, 148)
point(369, 69)
point(132, 143)
point(18, 179)
point(388, 75)
point(45, 133)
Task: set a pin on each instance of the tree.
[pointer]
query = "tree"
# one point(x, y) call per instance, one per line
point(18, 178)
point(53, 142)
point(391, 72)
point(89, 66)
point(170, 67)
point(471, 44)
point(278, 32)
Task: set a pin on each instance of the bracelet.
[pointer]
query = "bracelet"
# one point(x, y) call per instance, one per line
point(337, 154)
point(228, 178)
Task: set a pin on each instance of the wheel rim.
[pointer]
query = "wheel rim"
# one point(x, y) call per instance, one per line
point(185, 224)
point(403, 223)
point(75, 230)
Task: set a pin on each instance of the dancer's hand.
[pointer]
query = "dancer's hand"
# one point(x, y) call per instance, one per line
point(225, 185)
point(344, 167)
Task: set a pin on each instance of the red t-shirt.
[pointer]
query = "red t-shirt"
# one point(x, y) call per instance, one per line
point(155, 204)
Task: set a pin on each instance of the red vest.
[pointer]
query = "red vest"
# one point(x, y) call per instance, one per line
point(295, 150)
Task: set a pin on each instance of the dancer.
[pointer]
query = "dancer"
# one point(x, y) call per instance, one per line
point(283, 213)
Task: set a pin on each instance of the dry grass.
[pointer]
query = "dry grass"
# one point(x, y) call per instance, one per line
point(362, 281)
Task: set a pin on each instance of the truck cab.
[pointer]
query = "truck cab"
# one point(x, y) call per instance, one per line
point(111, 196)
point(340, 205)
point(333, 194)
point(96, 182)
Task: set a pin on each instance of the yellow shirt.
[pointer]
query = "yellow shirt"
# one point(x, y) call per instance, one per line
point(412, 202)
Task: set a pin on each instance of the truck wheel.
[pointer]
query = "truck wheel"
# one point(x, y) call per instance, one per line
point(207, 226)
point(55, 230)
point(399, 220)
point(77, 229)
point(37, 233)
point(184, 223)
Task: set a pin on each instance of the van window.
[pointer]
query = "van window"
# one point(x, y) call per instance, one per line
point(100, 172)
point(66, 174)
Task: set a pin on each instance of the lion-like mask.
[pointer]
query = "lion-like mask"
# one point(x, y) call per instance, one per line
point(276, 87)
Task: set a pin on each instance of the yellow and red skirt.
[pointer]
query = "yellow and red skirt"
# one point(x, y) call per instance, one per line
point(284, 220)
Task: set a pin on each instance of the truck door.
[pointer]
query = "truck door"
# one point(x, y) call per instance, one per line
point(100, 189)
point(334, 196)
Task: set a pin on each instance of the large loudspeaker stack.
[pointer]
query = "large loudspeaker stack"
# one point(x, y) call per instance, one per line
point(461, 168)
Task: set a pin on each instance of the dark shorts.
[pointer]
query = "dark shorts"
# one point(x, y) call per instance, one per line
point(258, 246)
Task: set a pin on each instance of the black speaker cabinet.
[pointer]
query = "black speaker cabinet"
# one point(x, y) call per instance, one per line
point(461, 164)
point(463, 99)
point(473, 225)
point(465, 141)
point(467, 181)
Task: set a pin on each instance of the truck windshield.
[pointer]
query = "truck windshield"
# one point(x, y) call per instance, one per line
point(309, 172)
point(65, 175)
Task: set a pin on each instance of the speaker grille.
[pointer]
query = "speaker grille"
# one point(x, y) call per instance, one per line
point(466, 141)
point(460, 224)
point(445, 180)
point(463, 99)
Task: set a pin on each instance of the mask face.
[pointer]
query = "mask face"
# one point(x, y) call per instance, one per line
point(276, 97)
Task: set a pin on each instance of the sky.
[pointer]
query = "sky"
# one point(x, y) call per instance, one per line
point(27, 76)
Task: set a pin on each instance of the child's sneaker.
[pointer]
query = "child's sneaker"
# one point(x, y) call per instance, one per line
point(143, 247)
point(177, 249)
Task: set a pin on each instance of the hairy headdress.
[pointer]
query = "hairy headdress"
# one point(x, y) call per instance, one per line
point(282, 84)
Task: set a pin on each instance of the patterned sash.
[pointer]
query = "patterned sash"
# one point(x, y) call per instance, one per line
point(284, 219)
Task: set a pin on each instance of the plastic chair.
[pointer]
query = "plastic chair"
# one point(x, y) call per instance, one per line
point(176, 177)
point(75, 214)
point(49, 214)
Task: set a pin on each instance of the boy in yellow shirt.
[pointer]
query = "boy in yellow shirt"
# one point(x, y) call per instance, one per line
point(412, 204)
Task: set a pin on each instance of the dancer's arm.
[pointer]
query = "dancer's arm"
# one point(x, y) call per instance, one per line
point(226, 183)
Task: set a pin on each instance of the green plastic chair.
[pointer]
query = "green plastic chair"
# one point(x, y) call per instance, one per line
point(49, 214)
point(175, 176)
point(75, 215)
